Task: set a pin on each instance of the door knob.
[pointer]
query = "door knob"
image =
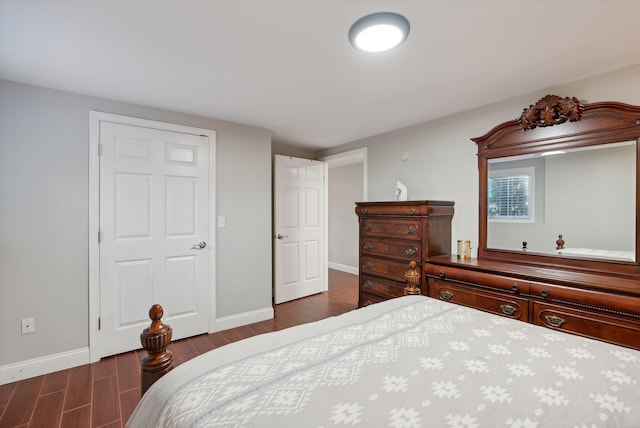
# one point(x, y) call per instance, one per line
point(202, 244)
point(281, 236)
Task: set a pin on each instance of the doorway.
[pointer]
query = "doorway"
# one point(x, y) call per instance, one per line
point(347, 185)
point(152, 201)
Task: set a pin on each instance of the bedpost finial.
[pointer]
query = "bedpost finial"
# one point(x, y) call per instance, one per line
point(413, 280)
point(156, 312)
point(155, 339)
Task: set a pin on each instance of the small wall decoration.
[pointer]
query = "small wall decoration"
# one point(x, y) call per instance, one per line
point(401, 191)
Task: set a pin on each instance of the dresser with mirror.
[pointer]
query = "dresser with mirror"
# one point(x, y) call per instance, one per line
point(558, 222)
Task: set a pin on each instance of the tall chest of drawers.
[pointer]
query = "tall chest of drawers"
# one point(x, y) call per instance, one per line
point(392, 234)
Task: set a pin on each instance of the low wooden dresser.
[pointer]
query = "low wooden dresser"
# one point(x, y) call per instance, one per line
point(596, 305)
point(392, 234)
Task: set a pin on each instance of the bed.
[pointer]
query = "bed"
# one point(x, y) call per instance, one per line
point(598, 254)
point(413, 361)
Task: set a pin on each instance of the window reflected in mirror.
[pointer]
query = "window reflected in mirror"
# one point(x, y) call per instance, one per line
point(586, 194)
point(511, 195)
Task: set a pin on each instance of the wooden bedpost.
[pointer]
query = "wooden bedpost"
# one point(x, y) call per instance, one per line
point(155, 340)
point(413, 280)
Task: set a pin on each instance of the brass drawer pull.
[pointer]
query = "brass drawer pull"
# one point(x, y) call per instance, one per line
point(545, 292)
point(514, 287)
point(368, 227)
point(365, 210)
point(412, 211)
point(368, 246)
point(441, 274)
point(508, 309)
point(411, 230)
point(554, 321)
point(446, 295)
point(410, 252)
point(367, 266)
point(368, 284)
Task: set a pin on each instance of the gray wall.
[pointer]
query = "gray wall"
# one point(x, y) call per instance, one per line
point(345, 188)
point(44, 162)
point(443, 164)
point(44, 188)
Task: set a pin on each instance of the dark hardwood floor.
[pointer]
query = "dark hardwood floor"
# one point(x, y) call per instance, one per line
point(104, 394)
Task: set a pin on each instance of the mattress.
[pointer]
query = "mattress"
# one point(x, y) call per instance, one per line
point(413, 361)
point(599, 254)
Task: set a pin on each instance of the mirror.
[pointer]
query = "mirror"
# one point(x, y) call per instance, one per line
point(559, 200)
point(559, 186)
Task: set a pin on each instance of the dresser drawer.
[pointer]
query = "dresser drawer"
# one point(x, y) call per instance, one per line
point(367, 299)
point(588, 299)
point(508, 306)
point(587, 323)
point(404, 250)
point(391, 228)
point(478, 278)
point(384, 287)
point(390, 269)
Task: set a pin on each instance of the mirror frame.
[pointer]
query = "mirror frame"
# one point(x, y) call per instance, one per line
point(555, 123)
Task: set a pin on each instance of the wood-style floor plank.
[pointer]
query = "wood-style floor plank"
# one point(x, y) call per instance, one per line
point(20, 408)
point(128, 370)
point(104, 394)
point(79, 417)
point(5, 395)
point(55, 382)
point(105, 367)
point(48, 411)
point(80, 386)
point(128, 401)
point(105, 406)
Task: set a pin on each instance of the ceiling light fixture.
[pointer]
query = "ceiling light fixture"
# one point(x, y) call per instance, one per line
point(552, 152)
point(379, 32)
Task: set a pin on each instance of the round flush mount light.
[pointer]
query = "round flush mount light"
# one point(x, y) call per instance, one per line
point(379, 32)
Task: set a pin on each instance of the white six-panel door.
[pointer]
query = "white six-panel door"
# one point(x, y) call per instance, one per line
point(154, 233)
point(300, 228)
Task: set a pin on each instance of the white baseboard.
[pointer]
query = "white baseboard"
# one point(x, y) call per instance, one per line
point(43, 365)
point(232, 321)
point(52, 363)
point(343, 268)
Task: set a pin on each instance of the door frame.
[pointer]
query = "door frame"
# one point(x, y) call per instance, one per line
point(95, 118)
point(348, 158)
point(343, 159)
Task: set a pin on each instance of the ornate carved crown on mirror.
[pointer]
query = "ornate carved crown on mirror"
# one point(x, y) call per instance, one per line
point(556, 124)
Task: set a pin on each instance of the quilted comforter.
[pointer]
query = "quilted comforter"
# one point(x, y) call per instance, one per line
point(408, 362)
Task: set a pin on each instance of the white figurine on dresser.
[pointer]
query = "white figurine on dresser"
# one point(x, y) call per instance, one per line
point(401, 191)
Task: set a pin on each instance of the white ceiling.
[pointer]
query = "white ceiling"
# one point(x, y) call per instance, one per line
point(287, 65)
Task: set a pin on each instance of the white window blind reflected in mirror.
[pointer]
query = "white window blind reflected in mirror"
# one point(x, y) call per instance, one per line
point(511, 195)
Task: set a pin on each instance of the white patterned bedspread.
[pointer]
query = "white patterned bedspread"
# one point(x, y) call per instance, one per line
point(408, 362)
point(599, 254)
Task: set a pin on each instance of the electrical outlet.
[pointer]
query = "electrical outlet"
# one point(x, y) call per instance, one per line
point(222, 221)
point(28, 325)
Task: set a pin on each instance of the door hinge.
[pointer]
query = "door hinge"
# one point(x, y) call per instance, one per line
point(99, 236)
point(99, 323)
point(99, 149)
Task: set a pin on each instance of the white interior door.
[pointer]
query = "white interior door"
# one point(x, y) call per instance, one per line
point(154, 233)
point(300, 228)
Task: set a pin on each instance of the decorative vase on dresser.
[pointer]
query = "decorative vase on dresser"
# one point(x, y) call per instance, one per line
point(393, 234)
